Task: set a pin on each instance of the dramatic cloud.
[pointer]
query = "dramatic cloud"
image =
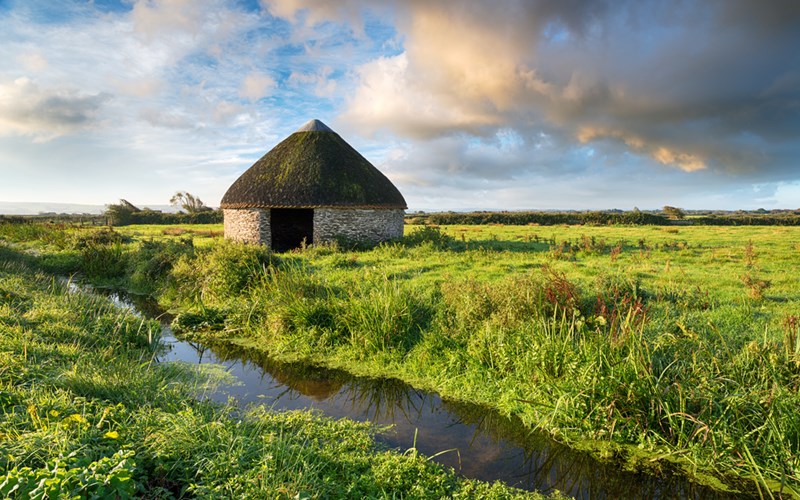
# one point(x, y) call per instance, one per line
point(464, 103)
point(695, 86)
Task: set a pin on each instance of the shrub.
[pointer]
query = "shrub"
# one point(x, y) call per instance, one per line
point(224, 271)
point(152, 264)
point(547, 218)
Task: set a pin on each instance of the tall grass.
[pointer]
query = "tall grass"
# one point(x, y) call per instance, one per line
point(658, 349)
point(88, 413)
point(667, 369)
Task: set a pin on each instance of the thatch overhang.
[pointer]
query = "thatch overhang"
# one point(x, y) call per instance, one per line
point(313, 168)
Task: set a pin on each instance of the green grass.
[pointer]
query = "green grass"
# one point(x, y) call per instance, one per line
point(86, 412)
point(659, 347)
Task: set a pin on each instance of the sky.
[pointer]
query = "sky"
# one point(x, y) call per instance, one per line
point(463, 104)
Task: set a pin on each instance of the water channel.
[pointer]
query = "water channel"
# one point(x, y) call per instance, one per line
point(482, 444)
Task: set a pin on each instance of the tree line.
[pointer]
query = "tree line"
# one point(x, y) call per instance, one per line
point(666, 218)
point(192, 211)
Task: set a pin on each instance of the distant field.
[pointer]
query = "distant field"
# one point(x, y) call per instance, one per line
point(201, 234)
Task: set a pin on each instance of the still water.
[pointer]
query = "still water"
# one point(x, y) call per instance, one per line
point(477, 442)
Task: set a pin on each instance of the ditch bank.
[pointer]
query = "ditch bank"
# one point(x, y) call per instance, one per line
point(476, 441)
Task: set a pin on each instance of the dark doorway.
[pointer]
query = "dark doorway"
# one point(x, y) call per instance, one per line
point(290, 226)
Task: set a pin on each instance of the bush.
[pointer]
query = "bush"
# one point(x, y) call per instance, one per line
point(154, 217)
point(224, 271)
point(152, 264)
point(547, 218)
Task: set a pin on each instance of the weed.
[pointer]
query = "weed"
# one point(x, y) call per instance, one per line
point(559, 292)
point(208, 319)
point(694, 298)
point(616, 252)
point(151, 266)
point(755, 286)
point(791, 337)
point(382, 316)
point(749, 254)
point(226, 270)
point(563, 251)
point(103, 237)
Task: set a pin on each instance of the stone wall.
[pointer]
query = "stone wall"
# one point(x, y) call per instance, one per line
point(249, 225)
point(369, 226)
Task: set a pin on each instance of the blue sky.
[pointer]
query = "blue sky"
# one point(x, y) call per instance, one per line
point(520, 104)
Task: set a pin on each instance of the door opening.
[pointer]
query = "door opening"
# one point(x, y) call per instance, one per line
point(290, 226)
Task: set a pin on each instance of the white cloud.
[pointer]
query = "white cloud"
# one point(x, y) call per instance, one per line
point(255, 86)
point(318, 11)
point(44, 114)
point(391, 97)
point(33, 61)
point(321, 81)
point(156, 18)
point(457, 97)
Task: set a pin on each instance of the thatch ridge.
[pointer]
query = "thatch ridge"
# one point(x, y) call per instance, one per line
point(313, 169)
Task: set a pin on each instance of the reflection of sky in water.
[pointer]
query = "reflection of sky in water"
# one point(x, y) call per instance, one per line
point(475, 441)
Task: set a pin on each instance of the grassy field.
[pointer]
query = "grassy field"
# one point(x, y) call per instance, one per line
point(658, 347)
point(87, 413)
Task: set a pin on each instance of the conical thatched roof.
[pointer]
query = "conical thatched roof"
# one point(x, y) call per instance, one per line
point(311, 168)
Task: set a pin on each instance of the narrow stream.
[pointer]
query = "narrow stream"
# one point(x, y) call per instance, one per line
point(477, 442)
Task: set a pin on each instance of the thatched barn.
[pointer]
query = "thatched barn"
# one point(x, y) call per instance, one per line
point(312, 187)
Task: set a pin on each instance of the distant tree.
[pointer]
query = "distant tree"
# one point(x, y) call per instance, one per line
point(189, 202)
point(119, 214)
point(673, 212)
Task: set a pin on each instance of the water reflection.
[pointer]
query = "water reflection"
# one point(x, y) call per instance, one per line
point(476, 441)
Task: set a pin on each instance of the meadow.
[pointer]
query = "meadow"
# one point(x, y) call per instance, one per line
point(89, 413)
point(657, 347)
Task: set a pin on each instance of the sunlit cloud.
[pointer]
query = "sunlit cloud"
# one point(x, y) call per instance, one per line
point(469, 67)
point(463, 104)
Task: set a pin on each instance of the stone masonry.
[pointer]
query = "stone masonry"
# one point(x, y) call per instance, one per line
point(362, 225)
point(249, 225)
point(252, 225)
